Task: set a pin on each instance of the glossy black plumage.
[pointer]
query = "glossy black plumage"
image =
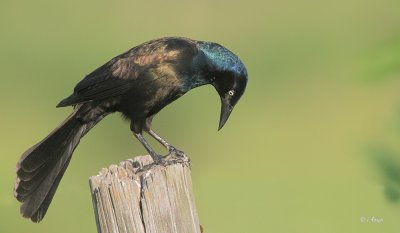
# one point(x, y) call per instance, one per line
point(137, 83)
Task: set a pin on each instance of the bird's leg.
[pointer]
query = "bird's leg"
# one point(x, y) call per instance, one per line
point(158, 159)
point(159, 139)
point(172, 150)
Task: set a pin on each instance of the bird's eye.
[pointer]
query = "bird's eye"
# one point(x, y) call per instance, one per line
point(231, 92)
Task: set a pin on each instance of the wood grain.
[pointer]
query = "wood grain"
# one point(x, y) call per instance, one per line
point(138, 197)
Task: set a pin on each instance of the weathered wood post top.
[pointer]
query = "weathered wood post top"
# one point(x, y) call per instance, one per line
point(138, 197)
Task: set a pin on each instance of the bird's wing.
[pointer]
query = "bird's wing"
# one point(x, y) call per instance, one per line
point(112, 79)
point(116, 76)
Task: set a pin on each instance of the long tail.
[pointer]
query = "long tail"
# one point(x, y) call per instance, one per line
point(41, 167)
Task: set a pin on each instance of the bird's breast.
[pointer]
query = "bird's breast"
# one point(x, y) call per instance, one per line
point(150, 94)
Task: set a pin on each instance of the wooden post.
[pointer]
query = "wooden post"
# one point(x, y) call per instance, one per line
point(137, 197)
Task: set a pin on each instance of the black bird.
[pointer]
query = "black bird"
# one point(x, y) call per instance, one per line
point(137, 83)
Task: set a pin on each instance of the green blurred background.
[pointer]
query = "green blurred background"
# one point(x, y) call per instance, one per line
point(313, 145)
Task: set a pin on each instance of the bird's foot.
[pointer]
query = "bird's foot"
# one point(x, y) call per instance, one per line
point(174, 155)
point(158, 159)
point(162, 162)
point(173, 152)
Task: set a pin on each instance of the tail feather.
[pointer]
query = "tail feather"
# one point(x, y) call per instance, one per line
point(41, 211)
point(55, 142)
point(41, 167)
point(36, 205)
point(53, 150)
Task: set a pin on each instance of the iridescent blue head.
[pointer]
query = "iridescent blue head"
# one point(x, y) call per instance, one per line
point(227, 74)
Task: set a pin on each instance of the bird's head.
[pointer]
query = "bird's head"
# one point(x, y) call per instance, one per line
point(230, 88)
point(227, 74)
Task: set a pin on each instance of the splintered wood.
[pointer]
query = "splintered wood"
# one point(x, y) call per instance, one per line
point(136, 197)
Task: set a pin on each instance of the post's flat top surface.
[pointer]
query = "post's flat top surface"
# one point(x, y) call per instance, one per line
point(138, 196)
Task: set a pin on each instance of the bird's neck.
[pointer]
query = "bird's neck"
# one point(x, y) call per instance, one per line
point(193, 81)
point(198, 75)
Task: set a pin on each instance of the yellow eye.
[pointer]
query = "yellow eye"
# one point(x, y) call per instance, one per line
point(231, 92)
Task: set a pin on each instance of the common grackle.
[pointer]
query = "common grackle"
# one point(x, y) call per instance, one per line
point(137, 83)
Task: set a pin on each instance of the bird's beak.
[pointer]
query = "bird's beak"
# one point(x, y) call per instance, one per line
point(226, 110)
